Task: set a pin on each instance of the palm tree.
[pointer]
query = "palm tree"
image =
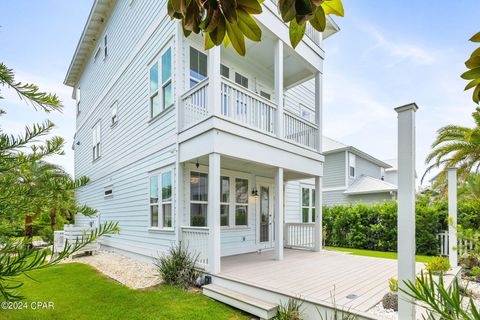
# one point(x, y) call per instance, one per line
point(455, 146)
point(471, 188)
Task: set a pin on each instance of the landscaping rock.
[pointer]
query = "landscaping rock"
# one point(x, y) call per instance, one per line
point(390, 301)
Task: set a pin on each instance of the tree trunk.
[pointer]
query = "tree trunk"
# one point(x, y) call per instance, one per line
point(29, 230)
point(53, 218)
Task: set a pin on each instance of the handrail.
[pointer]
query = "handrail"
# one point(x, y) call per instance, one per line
point(297, 117)
point(246, 91)
point(195, 88)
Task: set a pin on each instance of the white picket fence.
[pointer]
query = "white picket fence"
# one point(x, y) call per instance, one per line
point(300, 235)
point(72, 234)
point(462, 246)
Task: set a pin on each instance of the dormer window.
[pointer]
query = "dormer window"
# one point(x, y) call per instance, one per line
point(351, 165)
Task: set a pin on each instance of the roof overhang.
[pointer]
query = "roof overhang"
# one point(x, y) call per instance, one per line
point(94, 26)
point(388, 190)
point(331, 28)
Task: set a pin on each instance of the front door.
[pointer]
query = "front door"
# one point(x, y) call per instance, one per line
point(265, 214)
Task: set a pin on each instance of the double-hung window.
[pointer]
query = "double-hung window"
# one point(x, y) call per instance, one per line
point(198, 199)
point(351, 165)
point(198, 66)
point(161, 186)
point(96, 139)
point(308, 204)
point(161, 92)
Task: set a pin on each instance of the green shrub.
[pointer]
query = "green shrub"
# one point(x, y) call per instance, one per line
point(289, 310)
point(475, 271)
point(469, 261)
point(393, 284)
point(438, 265)
point(177, 268)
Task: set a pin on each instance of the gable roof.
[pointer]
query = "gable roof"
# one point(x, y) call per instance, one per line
point(330, 145)
point(393, 163)
point(365, 185)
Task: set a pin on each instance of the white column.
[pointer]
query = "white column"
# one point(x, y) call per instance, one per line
point(278, 74)
point(406, 207)
point(179, 199)
point(318, 110)
point(179, 75)
point(214, 81)
point(278, 213)
point(452, 217)
point(213, 213)
point(318, 214)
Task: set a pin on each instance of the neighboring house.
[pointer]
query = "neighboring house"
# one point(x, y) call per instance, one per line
point(349, 176)
point(183, 144)
point(391, 174)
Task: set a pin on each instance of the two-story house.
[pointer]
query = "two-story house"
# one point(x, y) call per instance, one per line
point(183, 144)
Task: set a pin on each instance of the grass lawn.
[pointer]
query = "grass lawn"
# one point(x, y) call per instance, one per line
point(376, 254)
point(80, 292)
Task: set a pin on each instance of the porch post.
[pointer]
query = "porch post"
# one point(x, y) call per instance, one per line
point(279, 214)
point(213, 213)
point(278, 74)
point(452, 217)
point(318, 241)
point(406, 207)
point(318, 111)
point(214, 81)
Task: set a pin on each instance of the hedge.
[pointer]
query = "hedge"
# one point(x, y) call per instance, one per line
point(374, 226)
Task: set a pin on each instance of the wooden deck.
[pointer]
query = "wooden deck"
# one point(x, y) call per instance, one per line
point(354, 282)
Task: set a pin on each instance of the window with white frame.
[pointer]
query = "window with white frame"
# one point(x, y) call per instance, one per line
point(198, 66)
point(224, 201)
point(96, 139)
point(308, 204)
point(105, 47)
point(114, 114)
point(161, 92)
point(198, 199)
point(241, 202)
point(241, 80)
point(108, 192)
point(77, 98)
point(351, 165)
point(224, 71)
point(161, 189)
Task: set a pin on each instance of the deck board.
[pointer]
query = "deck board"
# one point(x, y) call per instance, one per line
point(317, 276)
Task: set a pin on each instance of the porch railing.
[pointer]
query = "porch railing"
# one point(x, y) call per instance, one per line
point(300, 235)
point(462, 247)
point(247, 107)
point(195, 240)
point(195, 105)
point(300, 130)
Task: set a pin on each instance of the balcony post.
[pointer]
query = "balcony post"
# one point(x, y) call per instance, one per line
point(213, 213)
point(279, 213)
point(318, 239)
point(318, 111)
point(179, 78)
point(214, 81)
point(278, 74)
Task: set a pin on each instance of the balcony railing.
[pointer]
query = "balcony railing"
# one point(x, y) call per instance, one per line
point(300, 235)
point(195, 240)
point(246, 108)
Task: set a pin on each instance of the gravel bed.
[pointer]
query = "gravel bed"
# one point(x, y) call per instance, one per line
point(129, 272)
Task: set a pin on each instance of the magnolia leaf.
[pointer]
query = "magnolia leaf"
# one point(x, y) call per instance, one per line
point(472, 84)
point(193, 17)
point(212, 20)
point(229, 9)
point(226, 41)
point(218, 34)
point(475, 38)
point(248, 26)
point(471, 74)
point(303, 8)
point(251, 6)
point(171, 10)
point(333, 7)
point(473, 62)
point(186, 32)
point(318, 21)
point(476, 52)
point(179, 6)
point(236, 38)
point(208, 41)
point(296, 32)
point(287, 9)
point(476, 94)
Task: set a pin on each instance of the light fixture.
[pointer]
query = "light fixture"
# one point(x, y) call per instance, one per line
point(254, 192)
point(197, 164)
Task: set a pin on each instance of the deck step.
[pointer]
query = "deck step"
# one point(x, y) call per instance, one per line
point(257, 307)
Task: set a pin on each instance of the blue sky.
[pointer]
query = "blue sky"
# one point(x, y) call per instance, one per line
point(387, 54)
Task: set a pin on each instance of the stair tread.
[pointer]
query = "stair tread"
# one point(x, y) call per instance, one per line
point(241, 297)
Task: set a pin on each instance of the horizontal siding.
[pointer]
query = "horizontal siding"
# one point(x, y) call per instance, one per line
point(334, 170)
point(304, 94)
point(367, 168)
point(332, 198)
point(292, 202)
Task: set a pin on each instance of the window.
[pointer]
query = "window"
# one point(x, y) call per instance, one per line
point(96, 138)
point(265, 95)
point(351, 165)
point(241, 80)
point(105, 47)
point(224, 71)
point(198, 66)
point(161, 187)
point(77, 98)
point(114, 114)
point(161, 94)
point(306, 113)
point(108, 192)
point(308, 204)
point(198, 199)
point(224, 201)
point(241, 202)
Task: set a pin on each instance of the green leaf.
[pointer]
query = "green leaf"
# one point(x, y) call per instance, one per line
point(218, 34)
point(226, 41)
point(229, 9)
point(296, 32)
point(208, 41)
point(473, 62)
point(472, 84)
point(471, 74)
point(303, 7)
point(287, 9)
point(333, 7)
point(476, 52)
point(476, 94)
point(318, 21)
point(475, 38)
point(251, 6)
point(248, 26)
point(236, 37)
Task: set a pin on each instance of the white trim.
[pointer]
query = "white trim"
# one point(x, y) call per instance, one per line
point(311, 203)
point(158, 173)
point(334, 189)
point(160, 91)
point(270, 183)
